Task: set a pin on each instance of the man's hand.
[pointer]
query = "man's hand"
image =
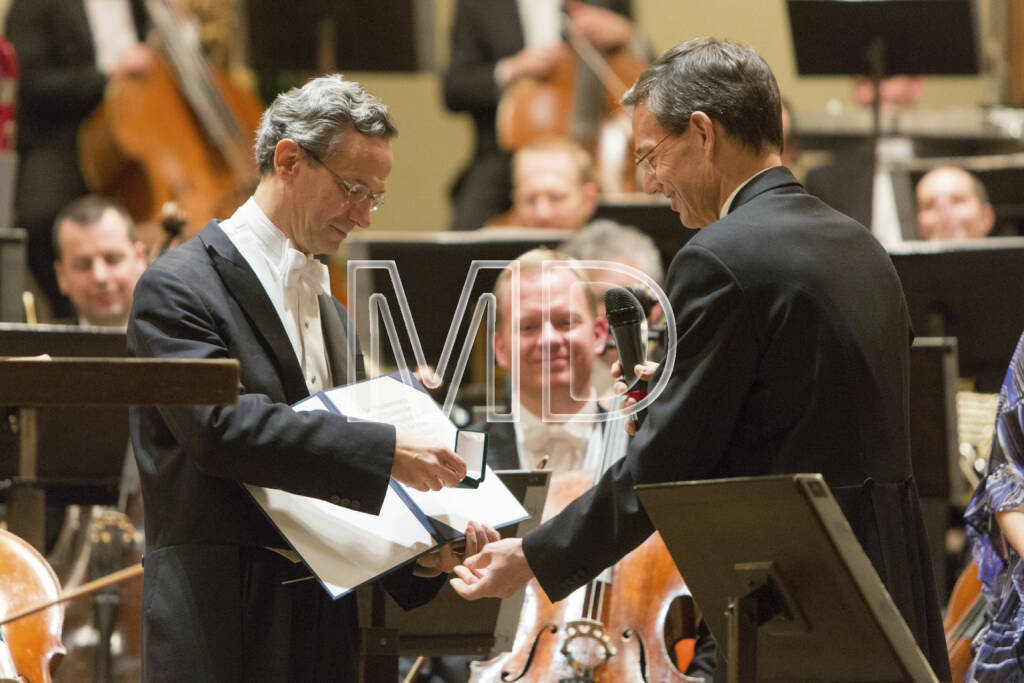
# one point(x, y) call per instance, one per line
point(535, 62)
point(136, 60)
point(445, 558)
point(644, 371)
point(603, 28)
point(498, 571)
point(425, 466)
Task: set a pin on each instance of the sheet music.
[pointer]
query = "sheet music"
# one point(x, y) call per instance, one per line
point(345, 548)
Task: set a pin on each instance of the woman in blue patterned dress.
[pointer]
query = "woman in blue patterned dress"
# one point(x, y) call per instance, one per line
point(995, 525)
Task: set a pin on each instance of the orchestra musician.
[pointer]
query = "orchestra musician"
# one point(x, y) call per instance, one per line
point(97, 260)
point(952, 204)
point(67, 50)
point(221, 598)
point(494, 43)
point(793, 350)
point(553, 186)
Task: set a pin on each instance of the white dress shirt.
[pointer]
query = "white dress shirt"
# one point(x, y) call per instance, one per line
point(569, 445)
point(294, 294)
point(112, 28)
point(542, 22)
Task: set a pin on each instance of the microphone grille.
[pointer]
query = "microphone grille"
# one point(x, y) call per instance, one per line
point(622, 307)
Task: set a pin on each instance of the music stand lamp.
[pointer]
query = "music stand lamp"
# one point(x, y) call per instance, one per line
point(783, 582)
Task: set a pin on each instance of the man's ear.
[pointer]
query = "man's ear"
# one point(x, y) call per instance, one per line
point(600, 335)
point(501, 350)
point(58, 269)
point(589, 199)
point(287, 155)
point(989, 220)
point(705, 129)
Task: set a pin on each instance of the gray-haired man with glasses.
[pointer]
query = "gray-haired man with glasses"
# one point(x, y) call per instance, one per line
point(223, 601)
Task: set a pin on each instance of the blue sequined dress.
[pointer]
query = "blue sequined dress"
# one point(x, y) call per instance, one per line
point(999, 647)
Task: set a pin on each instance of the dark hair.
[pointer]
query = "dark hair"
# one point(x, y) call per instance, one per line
point(729, 82)
point(86, 211)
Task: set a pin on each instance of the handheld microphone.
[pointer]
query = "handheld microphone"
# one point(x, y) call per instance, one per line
point(626, 319)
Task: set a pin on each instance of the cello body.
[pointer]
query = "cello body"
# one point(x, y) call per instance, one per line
point(145, 146)
point(622, 640)
point(965, 615)
point(27, 579)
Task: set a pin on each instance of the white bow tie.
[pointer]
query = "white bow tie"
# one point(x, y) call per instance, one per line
point(296, 267)
point(555, 440)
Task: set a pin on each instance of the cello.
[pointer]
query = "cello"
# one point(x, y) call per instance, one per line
point(965, 616)
point(612, 630)
point(183, 132)
point(27, 579)
point(32, 610)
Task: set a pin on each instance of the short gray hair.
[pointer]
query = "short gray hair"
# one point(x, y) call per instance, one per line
point(728, 81)
point(316, 114)
point(606, 240)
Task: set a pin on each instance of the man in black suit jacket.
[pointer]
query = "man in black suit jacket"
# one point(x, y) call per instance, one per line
point(792, 353)
point(61, 84)
point(220, 603)
point(488, 51)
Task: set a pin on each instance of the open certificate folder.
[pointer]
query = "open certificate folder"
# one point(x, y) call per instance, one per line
point(345, 548)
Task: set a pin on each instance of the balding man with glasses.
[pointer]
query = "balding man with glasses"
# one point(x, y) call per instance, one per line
point(223, 601)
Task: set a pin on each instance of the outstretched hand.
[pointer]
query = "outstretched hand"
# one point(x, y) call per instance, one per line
point(423, 465)
point(497, 571)
point(644, 371)
point(445, 558)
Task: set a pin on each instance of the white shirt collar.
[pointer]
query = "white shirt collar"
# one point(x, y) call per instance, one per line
point(728, 201)
point(273, 241)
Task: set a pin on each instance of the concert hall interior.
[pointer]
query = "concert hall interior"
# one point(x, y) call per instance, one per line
point(807, 217)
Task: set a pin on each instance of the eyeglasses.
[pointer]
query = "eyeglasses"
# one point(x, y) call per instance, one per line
point(356, 192)
point(646, 163)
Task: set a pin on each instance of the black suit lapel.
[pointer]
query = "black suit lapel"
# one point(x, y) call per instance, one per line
point(336, 341)
point(245, 287)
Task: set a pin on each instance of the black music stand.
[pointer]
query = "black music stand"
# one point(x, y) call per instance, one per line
point(31, 384)
point(91, 474)
point(790, 593)
point(448, 624)
point(13, 270)
point(879, 38)
point(970, 290)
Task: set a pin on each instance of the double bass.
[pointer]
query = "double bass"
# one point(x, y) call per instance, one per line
point(622, 627)
point(180, 133)
point(578, 100)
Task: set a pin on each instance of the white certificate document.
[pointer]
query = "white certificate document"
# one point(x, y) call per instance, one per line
point(345, 548)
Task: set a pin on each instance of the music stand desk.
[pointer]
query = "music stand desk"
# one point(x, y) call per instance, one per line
point(31, 383)
point(783, 540)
